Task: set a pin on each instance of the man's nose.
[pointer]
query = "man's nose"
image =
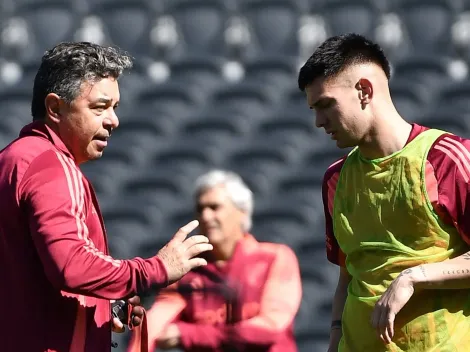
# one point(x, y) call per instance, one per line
point(320, 120)
point(111, 121)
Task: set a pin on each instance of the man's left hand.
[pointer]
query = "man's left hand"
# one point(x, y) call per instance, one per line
point(137, 314)
point(392, 301)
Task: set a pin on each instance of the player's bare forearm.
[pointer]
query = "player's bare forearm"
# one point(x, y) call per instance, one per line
point(450, 274)
point(337, 310)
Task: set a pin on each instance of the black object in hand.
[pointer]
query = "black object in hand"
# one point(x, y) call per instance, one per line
point(120, 310)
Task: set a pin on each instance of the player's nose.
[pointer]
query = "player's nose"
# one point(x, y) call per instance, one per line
point(111, 121)
point(320, 120)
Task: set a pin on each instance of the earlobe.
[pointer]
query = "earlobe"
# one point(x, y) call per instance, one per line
point(52, 105)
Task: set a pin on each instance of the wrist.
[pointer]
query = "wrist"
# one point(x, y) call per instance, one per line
point(336, 325)
point(414, 276)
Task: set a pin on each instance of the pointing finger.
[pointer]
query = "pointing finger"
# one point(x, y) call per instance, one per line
point(184, 231)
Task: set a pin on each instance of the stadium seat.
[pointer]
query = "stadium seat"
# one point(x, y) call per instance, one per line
point(427, 24)
point(127, 24)
point(447, 120)
point(215, 131)
point(318, 343)
point(313, 319)
point(281, 222)
point(430, 71)
point(251, 101)
point(294, 101)
point(15, 106)
point(169, 100)
point(455, 97)
point(273, 26)
point(460, 30)
point(410, 98)
point(314, 264)
point(291, 131)
point(273, 71)
point(155, 6)
point(302, 190)
point(139, 80)
point(107, 173)
point(37, 26)
point(346, 16)
point(163, 189)
point(200, 26)
point(187, 158)
point(316, 162)
point(260, 164)
point(129, 225)
point(140, 138)
point(201, 72)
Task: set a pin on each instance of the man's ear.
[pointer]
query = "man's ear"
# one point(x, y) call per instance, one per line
point(53, 105)
point(365, 90)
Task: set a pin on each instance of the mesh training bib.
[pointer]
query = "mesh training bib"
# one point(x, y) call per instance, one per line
point(385, 223)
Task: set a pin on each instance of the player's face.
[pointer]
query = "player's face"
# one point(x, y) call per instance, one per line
point(90, 119)
point(220, 220)
point(338, 110)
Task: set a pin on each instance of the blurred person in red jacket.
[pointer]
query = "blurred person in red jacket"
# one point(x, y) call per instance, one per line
point(248, 295)
point(57, 277)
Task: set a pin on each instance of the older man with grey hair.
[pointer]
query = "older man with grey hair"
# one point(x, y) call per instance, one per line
point(248, 295)
point(57, 276)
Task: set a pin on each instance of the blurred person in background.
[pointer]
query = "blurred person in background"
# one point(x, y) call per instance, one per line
point(57, 277)
point(397, 218)
point(248, 295)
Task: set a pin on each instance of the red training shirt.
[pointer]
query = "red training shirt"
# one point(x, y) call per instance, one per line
point(55, 272)
point(447, 176)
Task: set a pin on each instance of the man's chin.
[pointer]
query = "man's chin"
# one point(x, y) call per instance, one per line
point(213, 236)
point(92, 156)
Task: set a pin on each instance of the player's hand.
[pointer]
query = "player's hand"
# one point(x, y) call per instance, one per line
point(179, 254)
point(137, 314)
point(118, 326)
point(391, 302)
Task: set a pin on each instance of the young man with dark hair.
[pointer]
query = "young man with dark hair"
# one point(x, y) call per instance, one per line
point(397, 218)
point(57, 278)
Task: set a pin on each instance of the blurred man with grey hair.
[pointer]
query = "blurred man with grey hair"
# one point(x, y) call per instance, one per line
point(248, 295)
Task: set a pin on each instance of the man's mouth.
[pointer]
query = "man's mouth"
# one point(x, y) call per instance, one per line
point(101, 138)
point(331, 133)
point(102, 141)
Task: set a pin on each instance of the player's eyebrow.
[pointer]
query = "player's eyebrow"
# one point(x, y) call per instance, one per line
point(319, 101)
point(104, 100)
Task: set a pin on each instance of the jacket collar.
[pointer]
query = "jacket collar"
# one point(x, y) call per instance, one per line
point(40, 129)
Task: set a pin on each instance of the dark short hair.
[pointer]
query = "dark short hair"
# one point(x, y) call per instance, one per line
point(338, 53)
point(65, 67)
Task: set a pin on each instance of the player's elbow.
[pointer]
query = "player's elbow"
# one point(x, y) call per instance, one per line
point(72, 280)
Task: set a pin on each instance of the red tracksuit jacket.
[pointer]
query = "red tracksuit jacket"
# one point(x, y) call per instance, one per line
point(56, 277)
point(247, 305)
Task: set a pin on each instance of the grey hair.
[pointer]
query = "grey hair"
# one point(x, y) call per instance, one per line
point(66, 66)
point(239, 193)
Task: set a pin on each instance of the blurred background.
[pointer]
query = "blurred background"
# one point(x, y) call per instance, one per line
point(215, 85)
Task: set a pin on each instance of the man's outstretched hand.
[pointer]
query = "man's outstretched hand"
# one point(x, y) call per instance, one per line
point(180, 254)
